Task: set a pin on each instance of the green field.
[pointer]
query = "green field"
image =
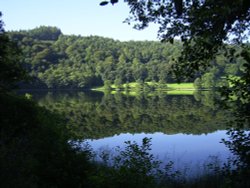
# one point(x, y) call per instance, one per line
point(134, 87)
point(181, 86)
point(171, 92)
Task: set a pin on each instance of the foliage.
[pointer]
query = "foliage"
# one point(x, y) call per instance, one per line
point(237, 98)
point(35, 148)
point(134, 166)
point(10, 68)
point(35, 151)
point(34, 145)
point(206, 28)
point(44, 33)
point(83, 62)
point(203, 26)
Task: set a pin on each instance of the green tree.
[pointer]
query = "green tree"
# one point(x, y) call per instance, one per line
point(202, 26)
point(206, 28)
point(208, 80)
point(35, 149)
point(107, 85)
point(11, 70)
point(198, 83)
point(80, 62)
point(45, 33)
point(118, 83)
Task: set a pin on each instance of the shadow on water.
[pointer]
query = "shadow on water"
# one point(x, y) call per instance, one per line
point(93, 115)
point(110, 118)
point(118, 118)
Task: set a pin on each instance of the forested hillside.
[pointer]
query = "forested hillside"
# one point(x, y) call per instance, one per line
point(55, 60)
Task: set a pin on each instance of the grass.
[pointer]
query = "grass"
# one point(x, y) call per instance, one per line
point(154, 93)
point(171, 86)
point(181, 86)
point(180, 92)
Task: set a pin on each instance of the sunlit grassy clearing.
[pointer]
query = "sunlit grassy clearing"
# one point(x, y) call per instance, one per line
point(180, 92)
point(181, 86)
point(172, 92)
point(134, 85)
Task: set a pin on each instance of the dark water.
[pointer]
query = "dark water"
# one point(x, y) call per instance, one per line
point(186, 129)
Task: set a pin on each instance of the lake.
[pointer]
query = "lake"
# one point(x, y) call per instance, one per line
point(186, 129)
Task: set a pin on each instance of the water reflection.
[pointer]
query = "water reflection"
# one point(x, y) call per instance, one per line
point(92, 115)
point(186, 151)
point(185, 129)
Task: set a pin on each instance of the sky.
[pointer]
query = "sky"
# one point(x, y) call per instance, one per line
point(78, 17)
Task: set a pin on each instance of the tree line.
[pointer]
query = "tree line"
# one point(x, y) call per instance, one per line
point(59, 61)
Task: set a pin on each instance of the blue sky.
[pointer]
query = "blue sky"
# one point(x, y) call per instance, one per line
point(79, 17)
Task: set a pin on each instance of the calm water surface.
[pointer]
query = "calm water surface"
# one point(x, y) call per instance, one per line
point(186, 129)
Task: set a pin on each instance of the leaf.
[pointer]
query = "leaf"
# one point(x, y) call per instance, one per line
point(114, 1)
point(178, 6)
point(171, 40)
point(103, 3)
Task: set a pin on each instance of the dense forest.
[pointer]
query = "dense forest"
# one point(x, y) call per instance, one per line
point(36, 148)
point(59, 61)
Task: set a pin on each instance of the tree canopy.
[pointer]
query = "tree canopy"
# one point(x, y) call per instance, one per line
point(79, 62)
point(11, 70)
point(68, 61)
point(204, 26)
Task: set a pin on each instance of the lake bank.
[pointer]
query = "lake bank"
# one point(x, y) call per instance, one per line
point(146, 87)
